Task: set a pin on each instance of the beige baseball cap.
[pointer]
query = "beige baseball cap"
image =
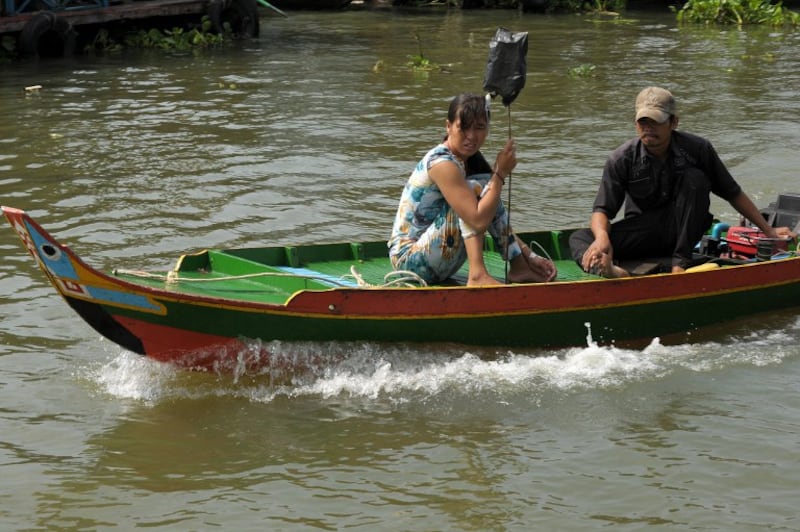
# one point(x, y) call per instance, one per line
point(655, 103)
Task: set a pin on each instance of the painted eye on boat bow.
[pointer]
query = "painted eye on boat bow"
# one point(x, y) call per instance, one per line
point(50, 252)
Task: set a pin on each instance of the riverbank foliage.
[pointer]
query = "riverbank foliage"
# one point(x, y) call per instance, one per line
point(728, 12)
point(738, 12)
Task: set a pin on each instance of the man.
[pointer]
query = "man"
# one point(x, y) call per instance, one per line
point(665, 178)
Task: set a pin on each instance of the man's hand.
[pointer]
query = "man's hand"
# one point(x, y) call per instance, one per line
point(594, 257)
point(785, 232)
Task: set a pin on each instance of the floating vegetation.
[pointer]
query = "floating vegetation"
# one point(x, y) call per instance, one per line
point(765, 57)
point(582, 71)
point(420, 63)
point(609, 17)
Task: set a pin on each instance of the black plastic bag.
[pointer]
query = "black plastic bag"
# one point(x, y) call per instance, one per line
point(507, 67)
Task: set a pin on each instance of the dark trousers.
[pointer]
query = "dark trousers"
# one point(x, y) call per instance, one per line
point(669, 231)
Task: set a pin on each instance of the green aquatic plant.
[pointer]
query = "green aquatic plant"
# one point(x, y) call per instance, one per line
point(420, 63)
point(177, 39)
point(582, 71)
point(737, 12)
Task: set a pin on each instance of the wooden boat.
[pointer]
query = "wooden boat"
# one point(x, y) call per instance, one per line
point(220, 307)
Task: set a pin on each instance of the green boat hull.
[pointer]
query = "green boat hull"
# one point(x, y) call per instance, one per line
point(217, 305)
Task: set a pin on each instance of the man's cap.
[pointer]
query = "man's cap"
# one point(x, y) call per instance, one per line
point(655, 103)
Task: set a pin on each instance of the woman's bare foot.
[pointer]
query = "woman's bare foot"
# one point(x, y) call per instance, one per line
point(531, 269)
point(482, 279)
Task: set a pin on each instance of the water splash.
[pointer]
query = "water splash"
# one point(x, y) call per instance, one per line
point(131, 376)
point(408, 373)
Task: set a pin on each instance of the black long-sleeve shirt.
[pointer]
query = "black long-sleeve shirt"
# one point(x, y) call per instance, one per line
point(648, 183)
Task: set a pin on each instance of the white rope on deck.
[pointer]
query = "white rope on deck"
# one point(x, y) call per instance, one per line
point(172, 277)
point(541, 248)
point(402, 278)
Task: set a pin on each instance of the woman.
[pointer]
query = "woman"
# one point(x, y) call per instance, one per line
point(452, 198)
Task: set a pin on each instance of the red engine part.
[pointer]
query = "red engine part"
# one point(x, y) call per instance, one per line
point(749, 241)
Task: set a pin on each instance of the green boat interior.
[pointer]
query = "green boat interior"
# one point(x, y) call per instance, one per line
point(274, 274)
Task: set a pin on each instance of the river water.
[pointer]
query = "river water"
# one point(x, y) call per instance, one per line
point(307, 135)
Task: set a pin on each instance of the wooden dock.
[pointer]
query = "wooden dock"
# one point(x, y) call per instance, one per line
point(53, 30)
point(112, 13)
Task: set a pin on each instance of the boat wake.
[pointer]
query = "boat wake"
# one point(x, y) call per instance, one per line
point(402, 374)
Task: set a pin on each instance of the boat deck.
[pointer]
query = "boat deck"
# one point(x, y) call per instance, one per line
point(375, 270)
point(243, 275)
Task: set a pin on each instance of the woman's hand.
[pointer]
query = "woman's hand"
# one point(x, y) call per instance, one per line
point(506, 160)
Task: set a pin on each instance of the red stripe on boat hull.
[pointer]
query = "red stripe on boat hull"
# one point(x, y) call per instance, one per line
point(189, 349)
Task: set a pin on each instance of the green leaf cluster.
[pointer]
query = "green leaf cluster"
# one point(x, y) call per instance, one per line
point(420, 62)
point(582, 71)
point(176, 39)
point(737, 12)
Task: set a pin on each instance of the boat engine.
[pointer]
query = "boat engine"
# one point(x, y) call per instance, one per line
point(747, 242)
